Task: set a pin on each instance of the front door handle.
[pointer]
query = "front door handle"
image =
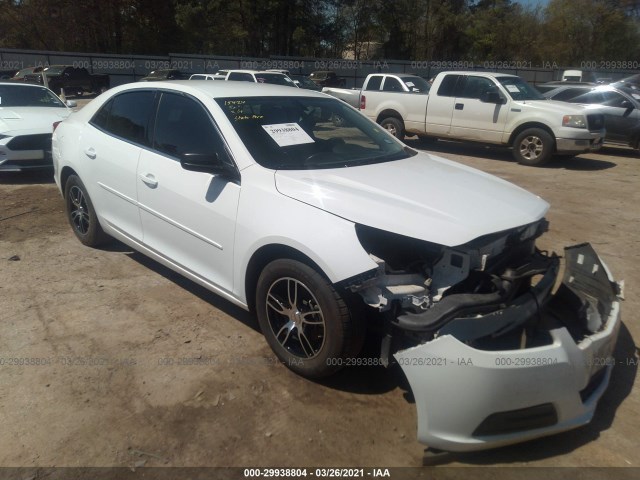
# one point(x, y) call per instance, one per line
point(90, 152)
point(459, 106)
point(149, 179)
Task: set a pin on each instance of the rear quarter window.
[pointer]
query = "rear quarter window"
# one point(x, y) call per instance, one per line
point(127, 116)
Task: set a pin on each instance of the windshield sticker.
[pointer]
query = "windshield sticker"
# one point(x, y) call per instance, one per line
point(513, 88)
point(410, 84)
point(287, 134)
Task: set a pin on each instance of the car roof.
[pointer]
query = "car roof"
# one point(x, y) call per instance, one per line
point(480, 73)
point(591, 88)
point(19, 84)
point(223, 89)
point(255, 72)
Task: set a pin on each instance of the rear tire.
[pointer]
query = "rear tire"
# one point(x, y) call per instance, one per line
point(305, 321)
point(81, 214)
point(394, 126)
point(533, 147)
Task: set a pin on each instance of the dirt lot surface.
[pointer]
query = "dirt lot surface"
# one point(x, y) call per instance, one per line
point(130, 364)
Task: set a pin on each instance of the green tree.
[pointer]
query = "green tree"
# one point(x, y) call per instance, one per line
point(589, 30)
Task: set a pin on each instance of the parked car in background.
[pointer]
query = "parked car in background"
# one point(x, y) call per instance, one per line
point(375, 82)
point(74, 81)
point(20, 74)
point(620, 106)
point(579, 76)
point(327, 78)
point(206, 76)
point(27, 116)
point(632, 82)
point(165, 74)
point(492, 108)
point(260, 76)
point(303, 81)
point(7, 74)
point(548, 86)
point(325, 230)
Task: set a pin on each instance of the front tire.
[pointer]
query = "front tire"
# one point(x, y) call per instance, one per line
point(533, 147)
point(81, 214)
point(305, 321)
point(394, 126)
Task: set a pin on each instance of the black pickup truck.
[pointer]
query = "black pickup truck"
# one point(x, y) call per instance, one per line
point(75, 81)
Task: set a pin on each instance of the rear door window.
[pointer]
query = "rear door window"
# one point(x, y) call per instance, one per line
point(447, 87)
point(392, 85)
point(374, 83)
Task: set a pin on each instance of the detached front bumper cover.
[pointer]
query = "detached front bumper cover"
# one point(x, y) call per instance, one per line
point(471, 399)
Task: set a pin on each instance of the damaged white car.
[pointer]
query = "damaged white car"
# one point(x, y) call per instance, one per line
point(324, 227)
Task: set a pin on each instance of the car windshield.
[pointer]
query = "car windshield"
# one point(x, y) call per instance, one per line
point(300, 133)
point(26, 71)
point(27, 96)
point(519, 89)
point(416, 84)
point(305, 81)
point(274, 78)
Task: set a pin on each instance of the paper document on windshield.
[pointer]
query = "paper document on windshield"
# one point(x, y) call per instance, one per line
point(287, 134)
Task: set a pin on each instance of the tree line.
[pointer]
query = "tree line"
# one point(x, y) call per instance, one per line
point(565, 32)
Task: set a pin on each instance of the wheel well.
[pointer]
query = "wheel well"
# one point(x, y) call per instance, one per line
point(526, 126)
point(262, 257)
point(64, 176)
point(389, 113)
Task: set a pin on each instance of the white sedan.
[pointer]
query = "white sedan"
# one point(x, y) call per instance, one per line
point(326, 230)
point(27, 115)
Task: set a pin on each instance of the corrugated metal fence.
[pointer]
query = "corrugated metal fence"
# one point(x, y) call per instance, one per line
point(130, 68)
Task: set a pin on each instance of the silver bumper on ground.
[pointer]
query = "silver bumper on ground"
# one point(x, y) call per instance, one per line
point(470, 399)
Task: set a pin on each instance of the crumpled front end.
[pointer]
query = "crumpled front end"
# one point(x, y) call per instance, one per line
point(499, 341)
point(470, 396)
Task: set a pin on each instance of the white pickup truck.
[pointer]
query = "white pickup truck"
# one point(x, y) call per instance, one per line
point(491, 108)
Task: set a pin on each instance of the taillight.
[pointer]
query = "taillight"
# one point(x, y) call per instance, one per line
point(363, 102)
point(55, 125)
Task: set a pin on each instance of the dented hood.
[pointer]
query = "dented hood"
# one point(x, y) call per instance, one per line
point(425, 197)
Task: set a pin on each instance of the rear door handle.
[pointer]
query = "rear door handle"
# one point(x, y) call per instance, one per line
point(90, 152)
point(149, 179)
point(459, 106)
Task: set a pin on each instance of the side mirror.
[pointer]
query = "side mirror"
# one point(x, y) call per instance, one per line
point(203, 162)
point(71, 103)
point(209, 163)
point(491, 97)
point(627, 104)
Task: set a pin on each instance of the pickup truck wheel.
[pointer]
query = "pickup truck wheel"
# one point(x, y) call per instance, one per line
point(533, 147)
point(305, 321)
point(394, 126)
